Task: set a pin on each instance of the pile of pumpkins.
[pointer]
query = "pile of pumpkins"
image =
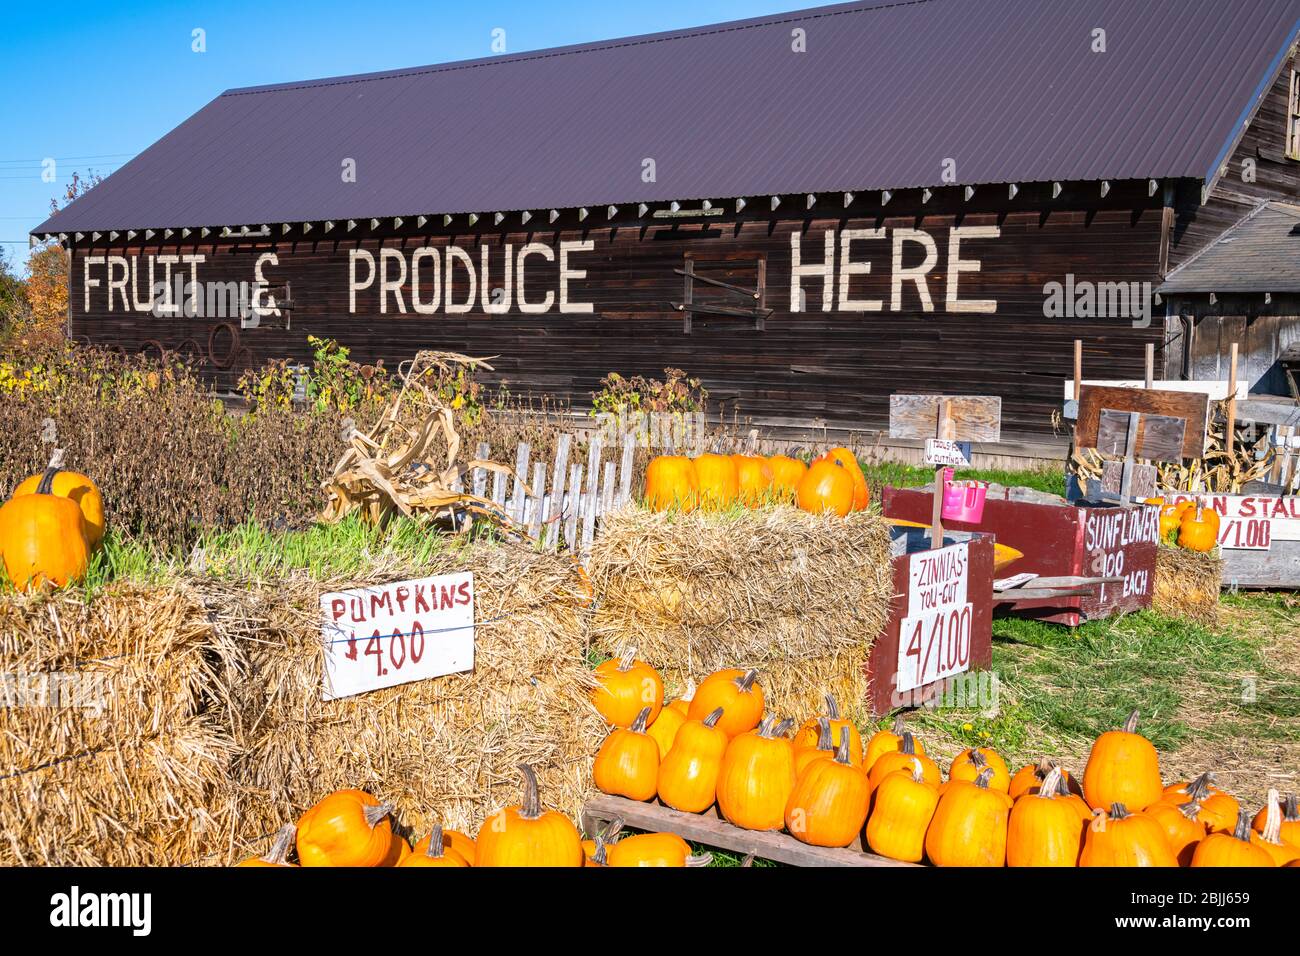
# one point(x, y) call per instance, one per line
point(833, 482)
point(49, 528)
point(1189, 524)
point(352, 828)
point(826, 787)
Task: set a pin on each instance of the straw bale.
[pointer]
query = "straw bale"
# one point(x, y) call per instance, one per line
point(1187, 585)
point(799, 597)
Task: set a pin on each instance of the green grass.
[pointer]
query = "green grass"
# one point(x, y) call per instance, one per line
point(1050, 480)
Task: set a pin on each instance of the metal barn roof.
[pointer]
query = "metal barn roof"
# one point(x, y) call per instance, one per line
point(1259, 254)
point(1008, 90)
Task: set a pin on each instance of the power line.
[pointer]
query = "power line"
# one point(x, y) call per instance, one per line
point(62, 159)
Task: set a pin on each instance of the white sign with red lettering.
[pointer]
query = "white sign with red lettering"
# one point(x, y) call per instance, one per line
point(397, 633)
point(934, 639)
point(1251, 522)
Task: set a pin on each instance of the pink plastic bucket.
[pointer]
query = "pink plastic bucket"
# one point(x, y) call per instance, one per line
point(964, 501)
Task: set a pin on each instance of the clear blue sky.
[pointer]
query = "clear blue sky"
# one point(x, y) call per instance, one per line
point(90, 85)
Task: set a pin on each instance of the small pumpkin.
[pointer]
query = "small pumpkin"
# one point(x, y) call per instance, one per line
point(719, 481)
point(451, 840)
point(825, 748)
point(756, 776)
point(647, 849)
point(1044, 830)
point(808, 735)
point(970, 824)
point(1123, 767)
point(968, 764)
point(627, 764)
point(786, 473)
point(828, 805)
point(1181, 826)
point(902, 807)
point(682, 705)
point(433, 851)
point(739, 695)
point(1198, 529)
point(849, 462)
point(754, 479)
point(625, 686)
point(1290, 828)
point(887, 741)
point(43, 535)
point(278, 855)
point(664, 730)
point(670, 482)
point(901, 759)
point(688, 776)
point(79, 489)
point(348, 828)
point(527, 835)
point(1218, 810)
point(827, 487)
point(1171, 516)
point(1121, 838)
point(1232, 848)
point(1030, 777)
point(1270, 838)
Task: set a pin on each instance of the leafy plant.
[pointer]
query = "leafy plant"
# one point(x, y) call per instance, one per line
point(675, 394)
point(338, 383)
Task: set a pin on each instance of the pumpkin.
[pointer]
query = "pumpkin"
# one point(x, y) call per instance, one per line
point(654, 849)
point(348, 828)
point(1120, 838)
point(82, 491)
point(786, 473)
point(688, 776)
point(1290, 829)
point(1199, 529)
point(664, 730)
point(43, 536)
point(969, 827)
point(670, 482)
point(849, 462)
point(1124, 768)
point(719, 481)
point(1171, 516)
point(1270, 838)
point(902, 807)
point(968, 764)
point(1181, 827)
point(626, 686)
point(627, 764)
point(1044, 830)
point(826, 487)
point(829, 802)
point(887, 741)
point(433, 851)
point(810, 732)
point(1232, 848)
point(754, 479)
point(1218, 810)
point(825, 748)
point(1031, 776)
point(756, 776)
point(451, 840)
point(527, 835)
point(278, 855)
point(739, 695)
point(682, 705)
point(901, 759)
point(596, 850)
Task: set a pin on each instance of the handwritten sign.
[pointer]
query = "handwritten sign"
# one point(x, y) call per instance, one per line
point(397, 633)
point(1251, 522)
point(941, 451)
point(1112, 540)
point(934, 640)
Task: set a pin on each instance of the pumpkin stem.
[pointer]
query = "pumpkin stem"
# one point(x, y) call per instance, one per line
point(1272, 832)
point(638, 725)
point(783, 728)
point(824, 734)
point(376, 812)
point(626, 659)
point(983, 777)
point(704, 859)
point(1118, 811)
point(1062, 788)
point(976, 758)
point(745, 683)
point(908, 746)
point(47, 479)
point(1051, 782)
point(1191, 810)
point(898, 725)
point(918, 775)
point(1044, 768)
point(713, 718)
point(765, 726)
point(1130, 725)
point(1291, 809)
point(530, 808)
point(832, 708)
point(599, 855)
point(842, 753)
point(279, 851)
point(1242, 830)
point(1099, 821)
point(1199, 788)
point(435, 842)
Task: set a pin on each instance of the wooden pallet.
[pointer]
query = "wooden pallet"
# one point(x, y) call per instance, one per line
point(710, 829)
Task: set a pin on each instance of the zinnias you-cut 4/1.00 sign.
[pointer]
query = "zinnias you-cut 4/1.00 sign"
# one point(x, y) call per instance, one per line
point(396, 633)
point(934, 640)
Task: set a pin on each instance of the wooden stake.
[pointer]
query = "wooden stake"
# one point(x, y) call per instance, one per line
point(1078, 367)
point(1230, 438)
point(1151, 365)
point(946, 430)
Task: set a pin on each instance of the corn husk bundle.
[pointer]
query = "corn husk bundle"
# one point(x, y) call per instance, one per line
point(799, 597)
point(409, 460)
point(1187, 585)
point(113, 744)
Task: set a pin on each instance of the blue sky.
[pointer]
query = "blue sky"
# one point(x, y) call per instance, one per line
point(91, 85)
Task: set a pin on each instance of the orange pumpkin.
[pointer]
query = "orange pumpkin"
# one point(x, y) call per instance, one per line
point(1290, 828)
point(825, 748)
point(887, 741)
point(1171, 516)
point(279, 852)
point(1123, 767)
point(1044, 830)
point(902, 807)
point(527, 835)
point(901, 759)
point(970, 824)
point(718, 479)
point(433, 851)
point(756, 776)
point(348, 828)
point(1199, 529)
point(451, 840)
point(1031, 776)
point(810, 732)
point(627, 764)
point(1234, 848)
point(664, 730)
point(786, 473)
point(1270, 837)
point(754, 477)
point(653, 849)
point(1120, 838)
point(827, 487)
point(1218, 810)
point(739, 695)
point(79, 489)
point(1181, 827)
point(968, 764)
point(626, 686)
point(670, 482)
point(829, 802)
point(849, 462)
point(682, 705)
point(688, 776)
point(43, 535)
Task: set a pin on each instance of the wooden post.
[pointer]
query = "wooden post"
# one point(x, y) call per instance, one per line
point(1229, 436)
point(1078, 367)
point(945, 430)
point(554, 516)
point(1151, 365)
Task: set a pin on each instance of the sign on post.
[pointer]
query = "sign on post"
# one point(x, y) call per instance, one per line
point(934, 639)
point(951, 454)
point(397, 633)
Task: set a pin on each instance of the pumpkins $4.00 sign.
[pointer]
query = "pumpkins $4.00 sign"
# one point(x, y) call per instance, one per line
point(934, 640)
point(397, 633)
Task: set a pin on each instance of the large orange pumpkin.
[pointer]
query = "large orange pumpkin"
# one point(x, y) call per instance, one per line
point(786, 473)
point(433, 851)
point(688, 776)
point(625, 686)
point(1043, 829)
point(756, 776)
point(43, 536)
point(829, 802)
point(1182, 829)
point(902, 806)
point(739, 695)
point(1120, 838)
point(348, 828)
point(527, 835)
point(827, 487)
point(719, 480)
point(77, 488)
point(810, 733)
point(1199, 529)
point(849, 462)
point(754, 477)
point(1232, 848)
point(1123, 767)
point(670, 482)
point(653, 849)
point(627, 764)
point(970, 824)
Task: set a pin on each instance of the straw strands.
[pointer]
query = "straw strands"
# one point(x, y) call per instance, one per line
point(1187, 585)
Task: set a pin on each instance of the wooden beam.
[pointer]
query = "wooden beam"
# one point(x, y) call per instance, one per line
point(1229, 438)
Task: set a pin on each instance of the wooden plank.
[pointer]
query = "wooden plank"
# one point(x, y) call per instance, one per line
point(499, 488)
point(555, 510)
point(1217, 390)
point(572, 505)
point(1192, 406)
point(974, 417)
point(608, 488)
point(591, 501)
point(1267, 412)
point(536, 501)
point(480, 474)
point(1158, 437)
point(625, 470)
point(521, 472)
point(709, 829)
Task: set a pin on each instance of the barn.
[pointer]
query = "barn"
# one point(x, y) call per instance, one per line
point(808, 211)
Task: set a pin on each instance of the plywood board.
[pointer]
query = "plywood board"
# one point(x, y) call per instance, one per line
point(1192, 406)
point(974, 417)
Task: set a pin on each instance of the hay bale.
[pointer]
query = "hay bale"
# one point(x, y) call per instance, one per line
point(111, 738)
point(442, 750)
point(1187, 585)
point(798, 596)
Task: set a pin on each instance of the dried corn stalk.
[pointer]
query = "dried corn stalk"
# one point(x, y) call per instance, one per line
point(408, 460)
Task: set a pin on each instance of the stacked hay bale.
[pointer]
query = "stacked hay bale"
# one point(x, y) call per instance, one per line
point(1187, 585)
point(800, 597)
point(113, 750)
